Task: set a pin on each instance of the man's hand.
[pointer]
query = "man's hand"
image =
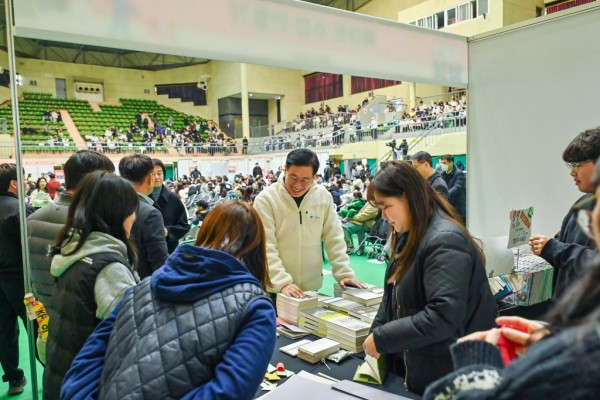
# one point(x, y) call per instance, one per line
point(292, 291)
point(351, 282)
point(166, 232)
point(537, 243)
point(370, 348)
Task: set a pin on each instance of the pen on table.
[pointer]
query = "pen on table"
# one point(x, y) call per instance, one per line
point(327, 377)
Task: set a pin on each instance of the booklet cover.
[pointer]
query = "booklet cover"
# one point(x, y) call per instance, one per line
point(371, 371)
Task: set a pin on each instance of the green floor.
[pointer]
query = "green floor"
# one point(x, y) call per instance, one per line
point(366, 271)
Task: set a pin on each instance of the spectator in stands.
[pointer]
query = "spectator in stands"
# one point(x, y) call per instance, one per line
point(171, 208)
point(54, 116)
point(436, 288)
point(91, 262)
point(245, 145)
point(40, 197)
point(53, 184)
point(221, 279)
point(457, 185)
point(570, 250)
point(422, 162)
point(292, 268)
point(44, 224)
point(11, 279)
point(46, 116)
point(148, 231)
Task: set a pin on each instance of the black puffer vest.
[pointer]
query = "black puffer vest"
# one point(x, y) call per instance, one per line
point(161, 350)
point(76, 317)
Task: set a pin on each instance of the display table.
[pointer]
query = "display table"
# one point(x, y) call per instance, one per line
point(341, 371)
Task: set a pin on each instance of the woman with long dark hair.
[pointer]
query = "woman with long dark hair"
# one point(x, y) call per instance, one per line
point(436, 289)
point(558, 359)
point(92, 266)
point(201, 327)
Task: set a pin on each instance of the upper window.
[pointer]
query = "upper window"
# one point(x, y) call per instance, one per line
point(322, 86)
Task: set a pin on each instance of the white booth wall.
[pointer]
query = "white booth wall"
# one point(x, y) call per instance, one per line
point(532, 89)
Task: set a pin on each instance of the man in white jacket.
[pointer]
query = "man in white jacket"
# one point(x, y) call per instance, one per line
point(298, 215)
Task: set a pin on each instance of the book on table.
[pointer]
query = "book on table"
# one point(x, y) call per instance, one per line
point(290, 330)
point(292, 349)
point(365, 313)
point(342, 305)
point(315, 351)
point(288, 308)
point(314, 319)
point(363, 296)
point(371, 371)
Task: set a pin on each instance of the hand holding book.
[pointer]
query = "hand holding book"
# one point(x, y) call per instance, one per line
point(370, 348)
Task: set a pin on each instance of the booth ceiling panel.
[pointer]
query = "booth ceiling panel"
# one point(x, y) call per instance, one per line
point(281, 33)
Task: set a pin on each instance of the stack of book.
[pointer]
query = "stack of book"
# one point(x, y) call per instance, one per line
point(349, 332)
point(337, 289)
point(534, 275)
point(365, 313)
point(342, 305)
point(366, 297)
point(316, 351)
point(314, 319)
point(288, 308)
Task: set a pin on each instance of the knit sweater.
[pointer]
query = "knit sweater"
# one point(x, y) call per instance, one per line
point(564, 366)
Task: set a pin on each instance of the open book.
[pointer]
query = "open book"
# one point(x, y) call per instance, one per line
point(371, 371)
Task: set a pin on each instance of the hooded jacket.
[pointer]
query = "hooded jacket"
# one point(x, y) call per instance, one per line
point(89, 285)
point(195, 285)
point(294, 236)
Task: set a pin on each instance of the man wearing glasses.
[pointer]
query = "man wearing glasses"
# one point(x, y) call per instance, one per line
point(298, 215)
point(571, 249)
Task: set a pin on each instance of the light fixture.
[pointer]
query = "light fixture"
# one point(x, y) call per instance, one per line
point(250, 94)
point(18, 79)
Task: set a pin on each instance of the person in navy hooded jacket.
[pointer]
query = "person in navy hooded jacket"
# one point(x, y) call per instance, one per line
point(201, 327)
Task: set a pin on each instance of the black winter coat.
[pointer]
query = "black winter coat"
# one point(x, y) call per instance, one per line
point(570, 251)
point(148, 232)
point(439, 184)
point(174, 216)
point(11, 261)
point(457, 190)
point(442, 297)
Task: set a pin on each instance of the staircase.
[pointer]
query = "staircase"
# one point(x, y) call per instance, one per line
point(72, 129)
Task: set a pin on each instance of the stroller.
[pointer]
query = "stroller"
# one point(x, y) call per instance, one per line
point(374, 242)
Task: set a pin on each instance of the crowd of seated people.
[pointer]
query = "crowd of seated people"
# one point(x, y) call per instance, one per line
point(439, 114)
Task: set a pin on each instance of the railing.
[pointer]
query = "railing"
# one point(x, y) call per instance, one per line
point(297, 125)
point(566, 6)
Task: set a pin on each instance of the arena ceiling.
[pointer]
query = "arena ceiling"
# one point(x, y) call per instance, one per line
point(118, 58)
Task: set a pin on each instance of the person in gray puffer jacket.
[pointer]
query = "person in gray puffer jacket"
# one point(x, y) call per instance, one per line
point(201, 327)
